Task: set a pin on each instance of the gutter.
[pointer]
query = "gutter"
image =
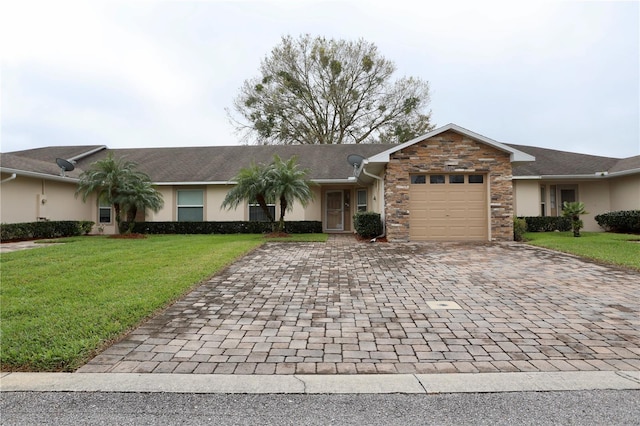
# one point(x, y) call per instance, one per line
point(382, 215)
point(10, 178)
point(38, 175)
point(231, 182)
point(596, 175)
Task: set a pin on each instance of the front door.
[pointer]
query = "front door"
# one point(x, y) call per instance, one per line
point(567, 194)
point(334, 210)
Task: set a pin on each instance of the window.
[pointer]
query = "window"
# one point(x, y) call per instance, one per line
point(456, 178)
point(104, 212)
point(543, 200)
point(256, 214)
point(476, 179)
point(362, 200)
point(436, 179)
point(191, 205)
point(418, 179)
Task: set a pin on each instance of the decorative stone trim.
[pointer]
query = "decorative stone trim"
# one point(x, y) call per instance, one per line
point(445, 153)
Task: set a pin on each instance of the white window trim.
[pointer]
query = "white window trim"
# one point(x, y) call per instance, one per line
point(105, 207)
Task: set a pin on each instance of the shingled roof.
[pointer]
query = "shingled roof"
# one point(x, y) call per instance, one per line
point(325, 162)
point(12, 162)
point(213, 164)
point(551, 162)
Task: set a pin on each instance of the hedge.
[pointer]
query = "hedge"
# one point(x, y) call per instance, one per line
point(237, 227)
point(367, 224)
point(620, 221)
point(547, 223)
point(47, 229)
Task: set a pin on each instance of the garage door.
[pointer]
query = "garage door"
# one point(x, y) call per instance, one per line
point(448, 207)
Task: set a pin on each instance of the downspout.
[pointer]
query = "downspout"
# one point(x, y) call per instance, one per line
point(382, 215)
point(12, 177)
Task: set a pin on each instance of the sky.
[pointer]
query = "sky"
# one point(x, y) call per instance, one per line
point(128, 74)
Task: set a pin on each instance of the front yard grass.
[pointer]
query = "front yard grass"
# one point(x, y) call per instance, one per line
point(62, 303)
point(606, 247)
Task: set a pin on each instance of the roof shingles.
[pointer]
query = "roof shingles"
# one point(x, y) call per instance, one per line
point(325, 162)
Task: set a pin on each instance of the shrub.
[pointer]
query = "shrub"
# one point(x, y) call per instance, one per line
point(236, 227)
point(35, 230)
point(547, 223)
point(85, 226)
point(573, 211)
point(519, 228)
point(620, 221)
point(367, 224)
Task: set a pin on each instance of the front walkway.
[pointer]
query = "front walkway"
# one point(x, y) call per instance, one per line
point(347, 307)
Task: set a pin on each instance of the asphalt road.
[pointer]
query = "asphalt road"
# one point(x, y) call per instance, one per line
point(539, 408)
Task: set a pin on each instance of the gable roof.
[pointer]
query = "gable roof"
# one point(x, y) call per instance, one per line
point(516, 155)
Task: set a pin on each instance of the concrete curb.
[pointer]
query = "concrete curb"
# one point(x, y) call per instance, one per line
point(321, 384)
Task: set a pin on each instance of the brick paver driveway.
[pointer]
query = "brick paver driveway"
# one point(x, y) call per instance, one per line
point(348, 307)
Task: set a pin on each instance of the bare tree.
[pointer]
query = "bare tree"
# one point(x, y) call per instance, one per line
point(319, 91)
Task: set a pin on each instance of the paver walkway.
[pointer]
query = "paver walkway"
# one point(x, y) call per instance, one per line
point(347, 307)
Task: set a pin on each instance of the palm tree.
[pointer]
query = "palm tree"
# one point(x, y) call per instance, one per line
point(573, 212)
point(138, 196)
point(252, 184)
point(289, 184)
point(115, 181)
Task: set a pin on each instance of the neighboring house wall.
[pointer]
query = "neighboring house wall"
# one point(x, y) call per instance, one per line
point(445, 153)
point(527, 197)
point(34, 199)
point(625, 193)
point(595, 196)
point(599, 196)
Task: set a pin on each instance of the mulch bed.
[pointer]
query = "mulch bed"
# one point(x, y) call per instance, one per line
point(277, 235)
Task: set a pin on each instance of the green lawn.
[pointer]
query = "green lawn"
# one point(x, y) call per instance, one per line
point(615, 249)
point(60, 304)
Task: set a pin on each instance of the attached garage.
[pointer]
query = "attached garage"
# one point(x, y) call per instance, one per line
point(450, 184)
point(448, 207)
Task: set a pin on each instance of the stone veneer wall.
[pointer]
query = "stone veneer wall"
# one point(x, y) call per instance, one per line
point(448, 152)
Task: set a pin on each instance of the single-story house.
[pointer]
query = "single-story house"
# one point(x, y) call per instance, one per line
point(449, 184)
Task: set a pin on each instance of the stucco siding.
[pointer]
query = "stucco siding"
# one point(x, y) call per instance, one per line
point(625, 193)
point(527, 197)
point(33, 199)
point(595, 196)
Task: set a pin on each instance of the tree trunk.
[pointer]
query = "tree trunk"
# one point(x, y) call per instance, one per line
point(263, 205)
point(283, 209)
point(116, 208)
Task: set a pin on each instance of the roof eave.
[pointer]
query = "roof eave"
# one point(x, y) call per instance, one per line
point(350, 179)
point(516, 156)
point(594, 176)
point(37, 175)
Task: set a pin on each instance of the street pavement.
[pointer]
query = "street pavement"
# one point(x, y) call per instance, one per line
point(516, 408)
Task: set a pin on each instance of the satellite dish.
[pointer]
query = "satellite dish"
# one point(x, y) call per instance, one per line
point(65, 165)
point(355, 160)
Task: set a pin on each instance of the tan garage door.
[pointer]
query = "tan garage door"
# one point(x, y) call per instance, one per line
point(448, 207)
